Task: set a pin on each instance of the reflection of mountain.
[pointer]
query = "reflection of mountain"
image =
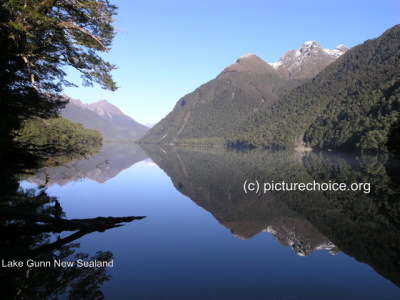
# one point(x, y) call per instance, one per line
point(365, 226)
point(101, 167)
point(301, 235)
point(214, 181)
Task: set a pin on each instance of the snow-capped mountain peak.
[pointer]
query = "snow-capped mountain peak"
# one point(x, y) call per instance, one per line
point(248, 55)
point(307, 61)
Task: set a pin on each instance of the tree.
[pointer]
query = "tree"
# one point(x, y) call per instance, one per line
point(38, 39)
point(393, 141)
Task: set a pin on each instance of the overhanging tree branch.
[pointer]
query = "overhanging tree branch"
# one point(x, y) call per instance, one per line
point(49, 35)
point(70, 25)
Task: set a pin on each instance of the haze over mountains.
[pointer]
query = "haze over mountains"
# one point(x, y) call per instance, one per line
point(105, 117)
point(350, 103)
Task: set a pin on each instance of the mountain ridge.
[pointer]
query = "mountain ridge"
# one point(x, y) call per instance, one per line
point(249, 63)
point(114, 115)
point(103, 107)
point(105, 117)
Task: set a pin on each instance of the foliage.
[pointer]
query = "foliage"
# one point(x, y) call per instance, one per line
point(350, 105)
point(59, 136)
point(393, 140)
point(39, 38)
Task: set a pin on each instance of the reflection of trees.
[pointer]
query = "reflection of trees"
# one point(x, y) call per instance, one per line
point(364, 226)
point(51, 282)
point(27, 234)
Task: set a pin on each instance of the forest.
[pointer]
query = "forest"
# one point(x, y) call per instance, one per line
point(350, 105)
point(59, 136)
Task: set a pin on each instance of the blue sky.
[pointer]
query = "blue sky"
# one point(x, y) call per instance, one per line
point(166, 49)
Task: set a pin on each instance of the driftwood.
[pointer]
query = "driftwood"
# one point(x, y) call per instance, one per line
point(52, 224)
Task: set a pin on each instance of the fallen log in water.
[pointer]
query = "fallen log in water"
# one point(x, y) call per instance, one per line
point(52, 224)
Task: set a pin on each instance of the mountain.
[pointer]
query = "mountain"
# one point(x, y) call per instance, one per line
point(350, 105)
point(238, 92)
point(113, 114)
point(307, 61)
point(105, 117)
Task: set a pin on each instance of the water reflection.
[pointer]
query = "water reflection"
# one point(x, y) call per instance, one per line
point(36, 263)
point(363, 225)
point(100, 167)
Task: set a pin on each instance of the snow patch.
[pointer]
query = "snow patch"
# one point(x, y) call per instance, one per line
point(247, 55)
point(294, 58)
point(333, 53)
point(270, 230)
point(240, 237)
point(276, 65)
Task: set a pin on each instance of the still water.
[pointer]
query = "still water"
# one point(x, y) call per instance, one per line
point(204, 237)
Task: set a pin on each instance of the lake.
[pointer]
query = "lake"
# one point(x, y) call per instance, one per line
point(219, 224)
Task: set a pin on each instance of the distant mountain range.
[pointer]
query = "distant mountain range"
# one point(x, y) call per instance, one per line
point(315, 97)
point(105, 117)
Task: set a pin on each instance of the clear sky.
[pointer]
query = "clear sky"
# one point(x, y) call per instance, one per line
point(166, 49)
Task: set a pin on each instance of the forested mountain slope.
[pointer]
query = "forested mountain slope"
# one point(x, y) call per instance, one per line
point(350, 105)
point(239, 91)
